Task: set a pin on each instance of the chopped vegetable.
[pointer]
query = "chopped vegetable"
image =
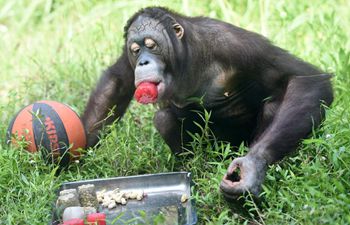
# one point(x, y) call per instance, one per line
point(69, 191)
point(108, 199)
point(77, 212)
point(73, 213)
point(87, 195)
point(184, 198)
point(146, 93)
point(96, 218)
point(74, 222)
point(67, 200)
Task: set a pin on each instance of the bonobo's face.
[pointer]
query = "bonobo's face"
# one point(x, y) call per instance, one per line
point(150, 52)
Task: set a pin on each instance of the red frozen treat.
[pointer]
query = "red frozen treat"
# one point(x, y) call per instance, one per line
point(146, 93)
point(73, 222)
point(96, 218)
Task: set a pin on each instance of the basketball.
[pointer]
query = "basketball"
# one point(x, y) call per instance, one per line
point(51, 127)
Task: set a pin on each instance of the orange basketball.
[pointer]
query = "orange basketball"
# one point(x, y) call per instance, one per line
point(50, 126)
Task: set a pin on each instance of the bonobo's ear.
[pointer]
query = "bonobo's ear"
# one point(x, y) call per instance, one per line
point(179, 30)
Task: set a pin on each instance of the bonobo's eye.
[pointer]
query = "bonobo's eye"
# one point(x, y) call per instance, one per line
point(179, 30)
point(150, 43)
point(135, 48)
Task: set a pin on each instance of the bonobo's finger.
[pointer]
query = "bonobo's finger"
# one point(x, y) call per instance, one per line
point(248, 180)
point(232, 188)
point(230, 196)
point(234, 164)
point(255, 190)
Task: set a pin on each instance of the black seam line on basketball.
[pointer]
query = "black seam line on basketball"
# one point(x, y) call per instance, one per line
point(81, 122)
point(42, 138)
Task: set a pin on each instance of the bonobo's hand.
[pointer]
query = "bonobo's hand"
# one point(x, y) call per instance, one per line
point(244, 174)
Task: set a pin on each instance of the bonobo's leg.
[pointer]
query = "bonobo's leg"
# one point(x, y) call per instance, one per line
point(170, 129)
point(295, 118)
point(115, 89)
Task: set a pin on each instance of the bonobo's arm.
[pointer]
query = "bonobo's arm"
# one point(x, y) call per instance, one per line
point(298, 114)
point(295, 118)
point(115, 89)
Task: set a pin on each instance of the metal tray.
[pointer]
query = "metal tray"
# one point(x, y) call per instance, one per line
point(162, 203)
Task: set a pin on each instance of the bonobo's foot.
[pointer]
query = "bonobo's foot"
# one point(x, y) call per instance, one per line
point(244, 174)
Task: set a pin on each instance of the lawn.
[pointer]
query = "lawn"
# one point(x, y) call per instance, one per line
point(56, 50)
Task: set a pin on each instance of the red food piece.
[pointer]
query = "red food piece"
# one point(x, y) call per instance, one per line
point(73, 222)
point(96, 218)
point(146, 93)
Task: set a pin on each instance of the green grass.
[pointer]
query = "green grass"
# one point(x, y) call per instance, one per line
point(57, 49)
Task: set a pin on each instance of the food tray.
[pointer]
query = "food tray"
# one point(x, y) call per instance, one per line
point(162, 203)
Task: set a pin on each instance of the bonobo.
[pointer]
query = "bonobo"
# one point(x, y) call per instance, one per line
point(257, 93)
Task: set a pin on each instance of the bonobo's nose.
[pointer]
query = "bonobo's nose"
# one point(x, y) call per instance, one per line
point(143, 62)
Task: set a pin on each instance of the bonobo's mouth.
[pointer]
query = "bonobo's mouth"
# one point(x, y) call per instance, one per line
point(145, 80)
point(149, 91)
point(160, 89)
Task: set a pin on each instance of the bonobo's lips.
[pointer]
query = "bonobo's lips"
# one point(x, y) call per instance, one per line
point(148, 92)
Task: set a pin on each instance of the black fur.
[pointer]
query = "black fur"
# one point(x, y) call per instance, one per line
point(258, 93)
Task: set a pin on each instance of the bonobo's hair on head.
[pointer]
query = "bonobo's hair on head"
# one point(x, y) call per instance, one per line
point(167, 18)
point(158, 13)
